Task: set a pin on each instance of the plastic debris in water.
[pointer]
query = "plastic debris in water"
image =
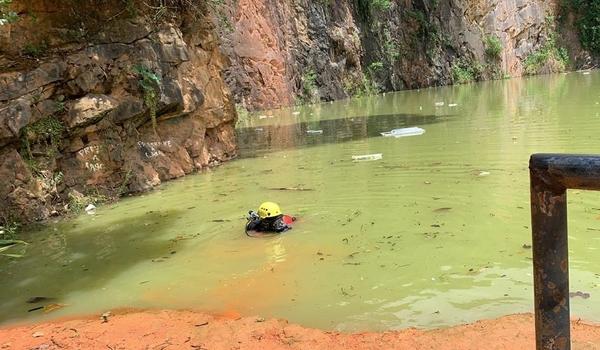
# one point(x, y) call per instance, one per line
point(439, 104)
point(367, 157)
point(581, 294)
point(90, 209)
point(296, 113)
point(452, 105)
point(53, 307)
point(484, 173)
point(414, 131)
point(314, 132)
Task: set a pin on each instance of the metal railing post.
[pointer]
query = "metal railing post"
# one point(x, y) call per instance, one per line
point(551, 176)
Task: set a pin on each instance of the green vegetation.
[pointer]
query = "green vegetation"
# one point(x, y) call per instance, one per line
point(464, 72)
point(380, 5)
point(310, 91)
point(124, 185)
point(149, 83)
point(8, 241)
point(493, 46)
point(549, 54)
point(35, 50)
point(78, 201)
point(367, 8)
point(428, 31)
point(367, 86)
point(243, 116)
point(46, 132)
point(6, 15)
point(389, 46)
point(587, 22)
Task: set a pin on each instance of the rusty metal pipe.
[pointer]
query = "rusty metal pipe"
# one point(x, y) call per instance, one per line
point(551, 175)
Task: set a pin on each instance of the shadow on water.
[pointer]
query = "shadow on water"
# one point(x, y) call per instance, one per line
point(71, 261)
point(254, 141)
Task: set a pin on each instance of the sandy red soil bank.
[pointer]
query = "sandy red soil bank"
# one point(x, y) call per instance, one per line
point(191, 330)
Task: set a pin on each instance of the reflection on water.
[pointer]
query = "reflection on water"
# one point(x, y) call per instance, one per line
point(258, 140)
point(431, 235)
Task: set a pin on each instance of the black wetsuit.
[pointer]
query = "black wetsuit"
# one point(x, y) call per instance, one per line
point(274, 224)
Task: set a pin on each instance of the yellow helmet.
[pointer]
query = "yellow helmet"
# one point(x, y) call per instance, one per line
point(269, 210)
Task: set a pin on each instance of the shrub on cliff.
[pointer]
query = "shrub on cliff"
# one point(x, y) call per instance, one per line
point(493, 46)
point(550, 58)
point(6, 15)
point(464, 71)
point(588, 22)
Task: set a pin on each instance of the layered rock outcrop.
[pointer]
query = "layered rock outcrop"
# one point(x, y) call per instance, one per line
point(112, 103)
point(275, 45)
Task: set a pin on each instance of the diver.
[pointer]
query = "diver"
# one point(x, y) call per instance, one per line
point(269, 219)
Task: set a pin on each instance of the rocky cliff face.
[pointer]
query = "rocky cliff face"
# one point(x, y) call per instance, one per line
point(285, 50)
point(105, 100)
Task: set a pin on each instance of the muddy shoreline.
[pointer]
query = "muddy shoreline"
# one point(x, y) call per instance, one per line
point(170, 329)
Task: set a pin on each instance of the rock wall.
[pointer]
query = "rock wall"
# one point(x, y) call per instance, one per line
point(101, 100)
point(274, 45)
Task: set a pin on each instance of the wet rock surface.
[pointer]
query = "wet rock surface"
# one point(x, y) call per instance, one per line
point(80, 115)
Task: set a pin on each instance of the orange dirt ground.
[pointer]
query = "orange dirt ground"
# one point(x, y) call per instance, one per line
point(157, 330)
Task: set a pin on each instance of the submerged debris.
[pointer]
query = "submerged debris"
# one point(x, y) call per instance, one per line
point(581, 294)
point(404, 132)
point(290, 189)
point(367, 157)
point(35, 300)
point(442, 210)
point(53, 307)
point(104, 317)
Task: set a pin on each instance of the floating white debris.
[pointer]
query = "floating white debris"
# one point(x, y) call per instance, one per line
point(262, 117)
point(314, 132)
point(296, 113)
point(367, 157)
point(484, 173)
point(452, 105)
point(420, 108)
point(439, 104)
point(404, 132)
point(585, 73)
point(90, 209)
point(258, 129)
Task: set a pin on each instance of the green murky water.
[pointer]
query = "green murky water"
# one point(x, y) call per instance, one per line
point(431, 235)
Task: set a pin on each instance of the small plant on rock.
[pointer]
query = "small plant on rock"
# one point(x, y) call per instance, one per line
point(149, 83)
point(310, 91)
point(6, 15)
point(493, 46)
point(46, 132)
point(465, 72)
